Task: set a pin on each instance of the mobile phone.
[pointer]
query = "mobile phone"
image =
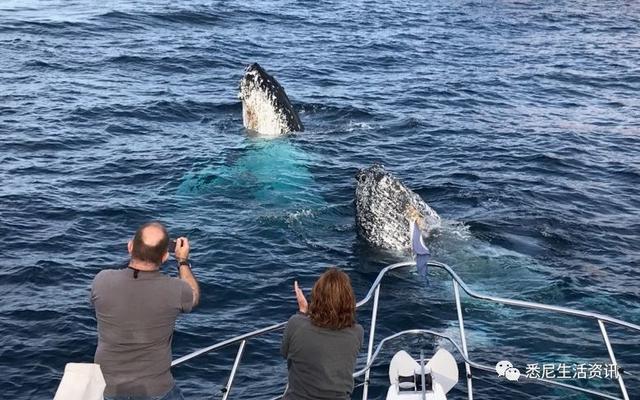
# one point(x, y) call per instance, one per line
point(172, 245)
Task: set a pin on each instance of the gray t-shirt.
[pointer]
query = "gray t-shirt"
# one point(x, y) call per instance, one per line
point(320, 361)
point(136, 318)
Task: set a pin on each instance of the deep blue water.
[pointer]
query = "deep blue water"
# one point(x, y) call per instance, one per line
point(519, 122)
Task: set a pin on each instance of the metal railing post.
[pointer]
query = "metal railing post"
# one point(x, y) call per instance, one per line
point(463, 339)
point(613, 359)
point(374, 315)
point(227, 389)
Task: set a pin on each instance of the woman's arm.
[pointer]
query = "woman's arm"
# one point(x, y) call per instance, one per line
point(303, 307)
point(286, 336)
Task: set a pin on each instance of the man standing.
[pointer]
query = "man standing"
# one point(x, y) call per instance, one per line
point(136, 309)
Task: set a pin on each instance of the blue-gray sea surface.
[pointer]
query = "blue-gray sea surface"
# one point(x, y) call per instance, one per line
point(518, 121)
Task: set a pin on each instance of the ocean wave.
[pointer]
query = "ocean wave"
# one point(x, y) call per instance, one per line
point(162, 110)
point(522, 137)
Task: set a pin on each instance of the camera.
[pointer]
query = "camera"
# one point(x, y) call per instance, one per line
point(172, 245)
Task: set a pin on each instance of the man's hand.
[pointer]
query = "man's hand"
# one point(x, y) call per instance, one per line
point(303, 305)
point(182, 254)
point(182, 249)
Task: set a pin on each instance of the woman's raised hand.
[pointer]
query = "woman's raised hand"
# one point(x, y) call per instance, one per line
point(303, 305)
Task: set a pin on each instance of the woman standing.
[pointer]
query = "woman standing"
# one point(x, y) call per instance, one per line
point(322, 341)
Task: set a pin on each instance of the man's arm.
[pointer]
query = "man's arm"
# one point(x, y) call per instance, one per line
point(182, 256)
point(187, 276)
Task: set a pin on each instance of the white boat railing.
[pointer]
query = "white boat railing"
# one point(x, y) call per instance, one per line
point(374, 292)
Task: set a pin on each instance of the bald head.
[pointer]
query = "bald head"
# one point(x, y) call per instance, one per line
point(152, 233)
point(150, 243)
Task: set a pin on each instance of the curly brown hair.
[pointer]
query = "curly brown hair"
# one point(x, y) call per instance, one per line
point(333, 304)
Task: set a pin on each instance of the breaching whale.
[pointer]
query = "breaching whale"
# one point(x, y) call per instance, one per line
point(382, 205)
point(266, 109)
point(269, 168)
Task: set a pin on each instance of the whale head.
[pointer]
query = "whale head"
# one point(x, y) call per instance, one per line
point(382, 204)
point(266, 109)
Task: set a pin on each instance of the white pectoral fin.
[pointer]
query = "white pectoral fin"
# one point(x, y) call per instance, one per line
point(417, 241)
point(420, 248)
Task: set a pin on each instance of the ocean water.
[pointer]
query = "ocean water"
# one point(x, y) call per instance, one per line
point(519, 122)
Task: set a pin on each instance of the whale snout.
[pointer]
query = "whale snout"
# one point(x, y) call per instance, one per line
point(253, 67)
point(255, 72)
point(375, 172)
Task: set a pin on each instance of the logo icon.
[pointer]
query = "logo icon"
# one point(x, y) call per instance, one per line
point(505, 368)
point(502, 367)
point(512, 374)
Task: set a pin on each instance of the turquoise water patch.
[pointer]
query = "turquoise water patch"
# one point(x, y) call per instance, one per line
point(269, 173)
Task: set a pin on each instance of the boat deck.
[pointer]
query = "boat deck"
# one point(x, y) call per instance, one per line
point(373, 349)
